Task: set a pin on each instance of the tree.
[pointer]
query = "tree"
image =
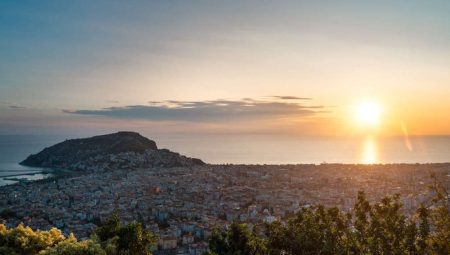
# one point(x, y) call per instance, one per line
point(109, 229)
point(238, 240)
point(111, 238)
point(134, 240)
point(424, 229)
point(387, 227)
point(378, 228)
point(314, 230)
point(25, 241)
point(120, 239)
point(439, 214)
point(361, 223)
point(70, 246)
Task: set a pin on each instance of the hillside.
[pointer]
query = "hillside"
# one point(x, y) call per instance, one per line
point(117, 150)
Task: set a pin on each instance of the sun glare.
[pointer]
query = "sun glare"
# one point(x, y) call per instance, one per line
point(368, 113)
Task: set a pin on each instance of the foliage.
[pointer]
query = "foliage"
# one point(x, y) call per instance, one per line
point(111, 238)
point(312, 231)
point(379, 228)
point(23, 240)
point(120, 239)
point(70, 246)
point(109, 229)
point(238, 240)
point(438, 241)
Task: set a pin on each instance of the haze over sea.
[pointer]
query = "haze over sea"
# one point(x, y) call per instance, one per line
point(250, 149)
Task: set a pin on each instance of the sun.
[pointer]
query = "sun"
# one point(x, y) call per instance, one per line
point(368, 113)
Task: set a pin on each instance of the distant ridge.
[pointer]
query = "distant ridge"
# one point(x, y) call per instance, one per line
point(118, 150)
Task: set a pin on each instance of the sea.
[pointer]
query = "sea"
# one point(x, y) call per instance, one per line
point(248, 149)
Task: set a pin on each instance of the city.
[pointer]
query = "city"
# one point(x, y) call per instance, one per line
point(182, 205)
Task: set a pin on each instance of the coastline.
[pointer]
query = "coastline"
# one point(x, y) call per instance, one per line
point(53, 174)
point(26, 176)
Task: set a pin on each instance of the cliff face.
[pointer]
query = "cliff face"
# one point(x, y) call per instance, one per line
point(118, 150)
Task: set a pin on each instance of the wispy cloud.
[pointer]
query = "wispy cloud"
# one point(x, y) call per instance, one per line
point(11, 105)
point(220, 110)
point(16, 107)
point(291, 98)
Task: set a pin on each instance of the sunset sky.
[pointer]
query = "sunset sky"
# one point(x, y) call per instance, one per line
point(275, 67)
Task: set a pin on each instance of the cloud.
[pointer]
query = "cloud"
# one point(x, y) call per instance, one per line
point(220, 110)
point(16, 107)
point(292, 98)
point(11, 105)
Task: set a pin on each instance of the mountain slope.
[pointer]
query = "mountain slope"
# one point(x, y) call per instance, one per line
point(118, 150)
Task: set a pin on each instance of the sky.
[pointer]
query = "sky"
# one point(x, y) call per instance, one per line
point(224, 67)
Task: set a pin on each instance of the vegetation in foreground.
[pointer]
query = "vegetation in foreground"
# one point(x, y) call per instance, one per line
point(379, 228)
point(112, 238)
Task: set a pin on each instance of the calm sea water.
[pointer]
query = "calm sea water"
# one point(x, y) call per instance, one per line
point(16, 148)
point(263, 149)
point(251, 149)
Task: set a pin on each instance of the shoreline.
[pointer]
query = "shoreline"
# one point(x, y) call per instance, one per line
point(48, 175)
point(58, 173)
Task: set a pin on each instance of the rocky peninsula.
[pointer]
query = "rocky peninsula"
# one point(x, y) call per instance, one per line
point(121, 150)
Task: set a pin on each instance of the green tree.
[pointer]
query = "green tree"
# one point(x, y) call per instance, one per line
point(70, 246)
point(238, 240)
point(120, 239)
point(109, 229)
point(361, 210)
point(424, 229)
point(439, 213)
point(387, 227)
point(313, 230)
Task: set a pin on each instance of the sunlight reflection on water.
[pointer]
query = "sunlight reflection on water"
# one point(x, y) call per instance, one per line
point(369, 151)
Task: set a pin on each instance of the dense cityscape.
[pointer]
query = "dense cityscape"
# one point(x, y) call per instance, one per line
point(181, 205)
